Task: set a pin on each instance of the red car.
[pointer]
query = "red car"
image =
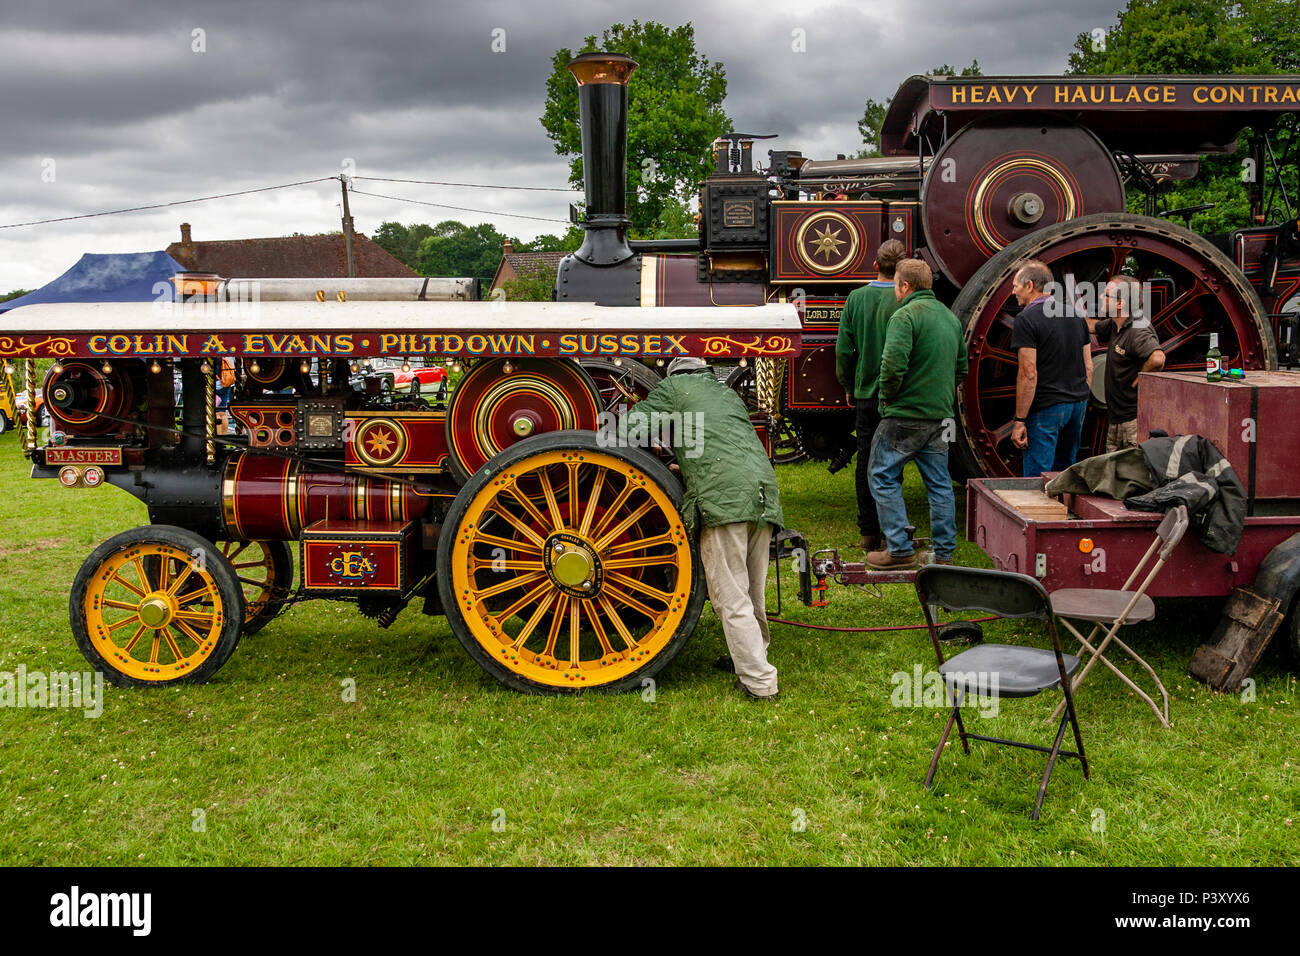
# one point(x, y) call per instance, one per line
point(417, 379)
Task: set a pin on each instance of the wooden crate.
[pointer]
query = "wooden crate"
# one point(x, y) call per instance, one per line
point(1035, 504)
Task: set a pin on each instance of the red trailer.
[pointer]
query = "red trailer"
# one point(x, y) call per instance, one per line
point(1096, 541)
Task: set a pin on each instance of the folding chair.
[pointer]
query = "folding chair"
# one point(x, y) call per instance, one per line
point(999, 670)
point(1116, 608)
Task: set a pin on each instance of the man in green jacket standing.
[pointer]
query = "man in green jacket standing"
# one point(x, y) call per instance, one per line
point(731, 498)
point(857, 366)
point(924, 359)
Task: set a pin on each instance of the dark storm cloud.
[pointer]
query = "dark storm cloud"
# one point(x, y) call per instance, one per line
point(113, 93)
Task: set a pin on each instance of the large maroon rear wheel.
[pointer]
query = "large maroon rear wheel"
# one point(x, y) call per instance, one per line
point(1195, 288)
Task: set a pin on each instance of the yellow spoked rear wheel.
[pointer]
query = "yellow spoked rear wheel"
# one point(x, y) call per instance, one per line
point(567, 566)
point(265, 572)
point(156, 605)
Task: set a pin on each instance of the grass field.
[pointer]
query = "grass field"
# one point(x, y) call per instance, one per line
point(434, 763)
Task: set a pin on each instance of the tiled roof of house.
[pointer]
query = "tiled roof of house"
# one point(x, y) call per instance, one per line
point(286, 257)
point(549, 260)
point(513, 264)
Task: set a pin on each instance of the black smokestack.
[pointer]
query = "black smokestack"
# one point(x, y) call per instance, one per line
point(602, 110)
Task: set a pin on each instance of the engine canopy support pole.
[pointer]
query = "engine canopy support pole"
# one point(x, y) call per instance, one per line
point(210, 408)
point(768, 373)
point(29, 383)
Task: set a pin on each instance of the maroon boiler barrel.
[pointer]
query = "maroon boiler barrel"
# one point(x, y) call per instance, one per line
point(268, 498)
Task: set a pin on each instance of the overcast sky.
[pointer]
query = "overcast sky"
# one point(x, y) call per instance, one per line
point(109, 99)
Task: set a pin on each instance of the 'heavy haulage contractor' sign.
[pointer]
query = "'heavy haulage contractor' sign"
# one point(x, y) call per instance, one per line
point(1180, 94)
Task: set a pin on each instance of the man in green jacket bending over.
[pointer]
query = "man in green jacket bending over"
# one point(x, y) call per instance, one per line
point(923, 361)
point(857, 366)
point(731, 496)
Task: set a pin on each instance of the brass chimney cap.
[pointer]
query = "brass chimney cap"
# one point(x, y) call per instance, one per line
point(592, 68)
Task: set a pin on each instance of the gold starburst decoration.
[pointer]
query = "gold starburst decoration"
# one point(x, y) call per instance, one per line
point(827, 242)
point(380, 443)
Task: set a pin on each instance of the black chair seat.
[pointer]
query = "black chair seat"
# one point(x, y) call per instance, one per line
point(1021, 671)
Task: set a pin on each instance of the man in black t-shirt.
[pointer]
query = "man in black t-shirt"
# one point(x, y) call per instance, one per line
point(1134, 349)
point(1054, 359)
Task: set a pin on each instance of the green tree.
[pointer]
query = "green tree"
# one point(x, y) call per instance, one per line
point(569, 242)
point(1172, 36)
point(873, 117)
point(455, 250)
point(676, 221)
point(402, 242)
point(674, 114)
point(1274, 27)
point(14, 294)
point(1210, 37)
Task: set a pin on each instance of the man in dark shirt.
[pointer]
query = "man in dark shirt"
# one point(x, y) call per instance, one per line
point(1133, 349)
point(1054, 356)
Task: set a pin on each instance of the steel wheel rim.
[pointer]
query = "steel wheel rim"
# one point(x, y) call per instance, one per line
point(1190, 308)
point(154, 600)
point(595, 612)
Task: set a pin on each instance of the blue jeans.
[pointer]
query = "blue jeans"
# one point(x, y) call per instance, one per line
point(1054, 434)
point(898, 441)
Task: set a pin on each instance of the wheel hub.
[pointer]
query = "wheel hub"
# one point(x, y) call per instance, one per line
point(156, 610)
point(1026, 208)
point(572, 565)
point(523, 425)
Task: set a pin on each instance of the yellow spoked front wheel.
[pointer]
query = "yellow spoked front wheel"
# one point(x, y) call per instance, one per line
point(156, 605)
point(265, 573)
point(564, 565)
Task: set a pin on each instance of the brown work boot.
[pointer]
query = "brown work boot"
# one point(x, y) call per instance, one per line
point(871, 542)
point(884, 561)
point(943, 560)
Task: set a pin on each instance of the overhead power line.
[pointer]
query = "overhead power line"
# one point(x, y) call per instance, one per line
point(309, 182)
point(434, 182)
point(163, 205)
point(439, 205)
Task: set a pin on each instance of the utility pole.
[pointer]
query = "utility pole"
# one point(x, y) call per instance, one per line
point(347, 227)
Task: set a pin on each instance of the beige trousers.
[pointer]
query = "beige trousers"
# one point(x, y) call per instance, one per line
point(735, 560)
point(1122, 435)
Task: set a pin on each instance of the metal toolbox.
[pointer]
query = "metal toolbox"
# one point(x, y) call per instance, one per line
point(341, 556)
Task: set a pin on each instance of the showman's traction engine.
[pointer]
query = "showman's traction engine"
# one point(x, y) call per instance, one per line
point(561, 559)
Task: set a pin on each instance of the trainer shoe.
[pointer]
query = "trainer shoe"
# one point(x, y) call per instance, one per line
point(725, 663)
point(884, 561)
